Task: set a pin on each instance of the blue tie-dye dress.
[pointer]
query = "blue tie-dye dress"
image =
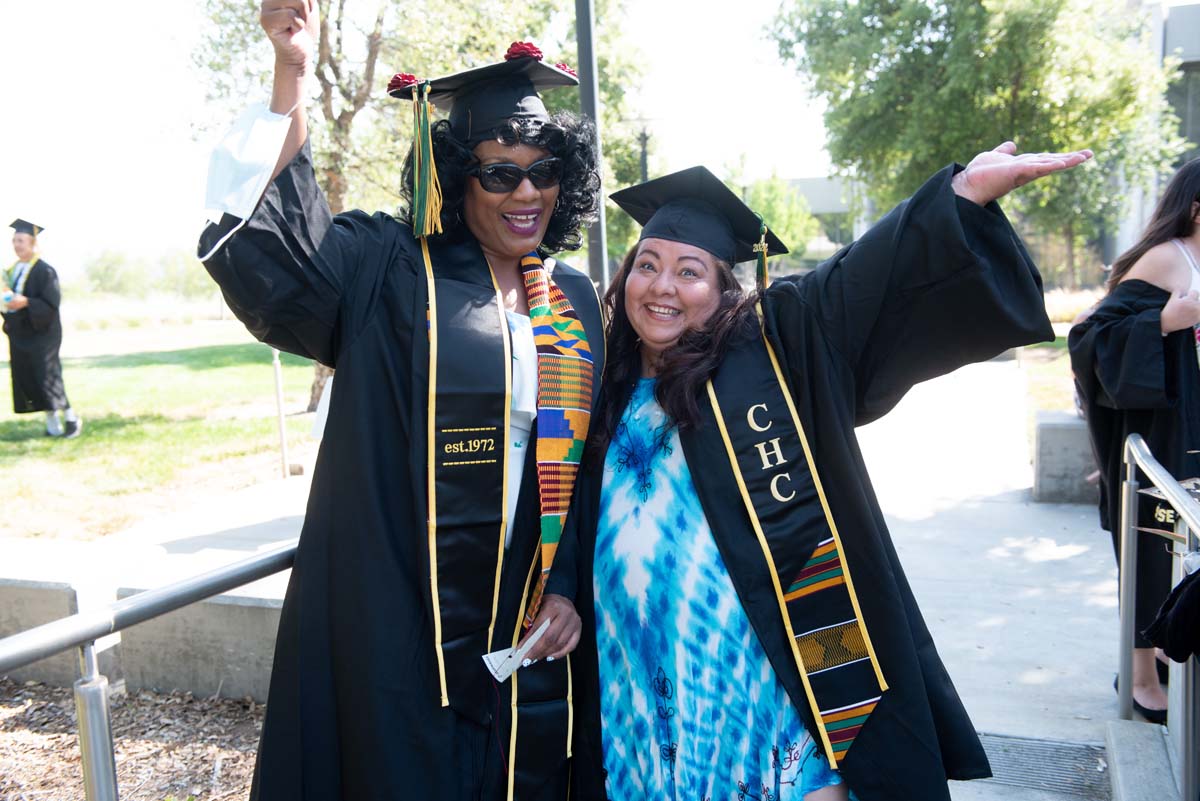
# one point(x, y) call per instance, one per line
point(690, 707)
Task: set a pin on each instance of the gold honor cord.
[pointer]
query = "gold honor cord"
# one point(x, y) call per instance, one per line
point(430, 473)
point(504, 334)
point(837, 538)
point(766, 549)
point(516, 638)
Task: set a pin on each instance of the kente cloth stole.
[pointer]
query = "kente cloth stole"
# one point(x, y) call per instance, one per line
point(564, 402)
point(782, 492)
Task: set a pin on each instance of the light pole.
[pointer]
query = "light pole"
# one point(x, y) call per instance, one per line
point(589, 99)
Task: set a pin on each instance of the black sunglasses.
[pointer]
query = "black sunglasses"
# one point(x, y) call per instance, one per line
point(507, 177)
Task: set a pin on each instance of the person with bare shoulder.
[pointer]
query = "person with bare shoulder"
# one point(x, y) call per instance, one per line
point(1135, 360)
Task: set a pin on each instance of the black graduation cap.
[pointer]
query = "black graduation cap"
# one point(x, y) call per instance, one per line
point(25, 227)
point(693, 206)
point(481, 99)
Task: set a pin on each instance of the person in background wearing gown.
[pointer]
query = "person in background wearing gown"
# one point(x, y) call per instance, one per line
point(1135, 365)
point(34, 329)
point(466, 362)
point(747, 625)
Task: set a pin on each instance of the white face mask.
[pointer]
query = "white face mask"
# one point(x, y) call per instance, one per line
point(241, 165)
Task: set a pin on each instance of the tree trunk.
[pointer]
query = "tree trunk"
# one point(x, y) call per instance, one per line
point(335, 195)
point(1072, 278)
point(321, 374)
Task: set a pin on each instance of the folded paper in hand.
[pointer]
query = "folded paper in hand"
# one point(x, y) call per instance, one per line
point(502, 663)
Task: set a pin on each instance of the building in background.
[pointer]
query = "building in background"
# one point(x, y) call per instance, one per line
point(1175, 31)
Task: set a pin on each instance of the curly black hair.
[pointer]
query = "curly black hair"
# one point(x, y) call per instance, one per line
point(566, 136)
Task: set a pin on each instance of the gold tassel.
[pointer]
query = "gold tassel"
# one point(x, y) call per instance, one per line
point(760, 273)
point(427, 190)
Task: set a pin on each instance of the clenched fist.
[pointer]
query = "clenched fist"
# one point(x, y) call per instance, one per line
point(291, 25)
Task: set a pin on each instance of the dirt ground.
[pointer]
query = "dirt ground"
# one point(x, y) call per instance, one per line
point(169, 747)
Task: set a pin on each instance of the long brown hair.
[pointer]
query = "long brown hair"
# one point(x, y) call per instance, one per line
point(1173, 218)
point(683, 368)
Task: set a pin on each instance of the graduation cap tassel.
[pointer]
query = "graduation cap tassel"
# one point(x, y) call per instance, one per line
point(427, 191)
point(761, 279)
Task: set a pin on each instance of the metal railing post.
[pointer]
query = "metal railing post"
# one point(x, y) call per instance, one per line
point(283, 447)
point(1128, 587)
point(95, 729)
point(1189, 736)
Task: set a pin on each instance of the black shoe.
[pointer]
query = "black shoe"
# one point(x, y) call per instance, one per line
point(72, 428)
point(1158, 716)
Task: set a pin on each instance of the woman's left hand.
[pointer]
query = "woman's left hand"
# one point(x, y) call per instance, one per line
point(993, 174)
point(562, 636)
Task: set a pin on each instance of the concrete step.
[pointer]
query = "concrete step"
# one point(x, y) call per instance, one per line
point(1141, 762)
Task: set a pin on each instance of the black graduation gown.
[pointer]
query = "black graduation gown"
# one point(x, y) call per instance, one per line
point(354, 710)
point(938, 283)
point(34, 337)
point(1132, 379)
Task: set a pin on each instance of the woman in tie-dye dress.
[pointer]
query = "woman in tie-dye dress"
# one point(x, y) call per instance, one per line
point(690, 688)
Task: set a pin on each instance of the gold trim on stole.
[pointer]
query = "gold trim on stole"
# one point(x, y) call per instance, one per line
point(430, 484)
point(837, 538)
point(504, 332)
point(762, 541)
point(766, 549)
point(516, 638)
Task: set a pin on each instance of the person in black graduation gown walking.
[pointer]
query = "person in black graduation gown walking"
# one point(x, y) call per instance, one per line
point(34, 329)
point(1135, 365)
point(747, 625)
point(466, 363)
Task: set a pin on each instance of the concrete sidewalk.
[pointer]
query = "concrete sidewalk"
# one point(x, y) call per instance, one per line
point(1021, 598)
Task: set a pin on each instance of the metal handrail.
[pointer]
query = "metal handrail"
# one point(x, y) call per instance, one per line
point(1138, 455)
point(83, 629)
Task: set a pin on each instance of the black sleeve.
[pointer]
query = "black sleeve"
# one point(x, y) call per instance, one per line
point(43, 304)
point(1119, 355)
point(938, 283)
point(299, 278)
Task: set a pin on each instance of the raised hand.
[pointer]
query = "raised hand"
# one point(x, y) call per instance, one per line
point(291, 25)
point(1181, 311)
point(994, 173)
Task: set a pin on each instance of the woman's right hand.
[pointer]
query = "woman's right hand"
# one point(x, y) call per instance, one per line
point(1182, 311)
point(292, 26)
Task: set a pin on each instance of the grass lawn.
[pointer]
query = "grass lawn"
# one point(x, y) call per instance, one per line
point(1048, 370)
point(160, 428)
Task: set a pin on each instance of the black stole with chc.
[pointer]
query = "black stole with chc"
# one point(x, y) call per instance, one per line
point(469, 402)
point(782, 493)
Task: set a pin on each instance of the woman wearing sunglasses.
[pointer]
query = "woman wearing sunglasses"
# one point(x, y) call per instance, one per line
point(466, 360)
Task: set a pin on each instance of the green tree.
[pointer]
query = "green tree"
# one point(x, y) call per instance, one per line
point(360, 135)
point(119, 273)
point(181, 273)
point(785, 212)
point(911, 85)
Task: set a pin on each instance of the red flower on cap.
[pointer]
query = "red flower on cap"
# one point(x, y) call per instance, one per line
point(523, 50)
point(567, 69)
point(401, 81)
